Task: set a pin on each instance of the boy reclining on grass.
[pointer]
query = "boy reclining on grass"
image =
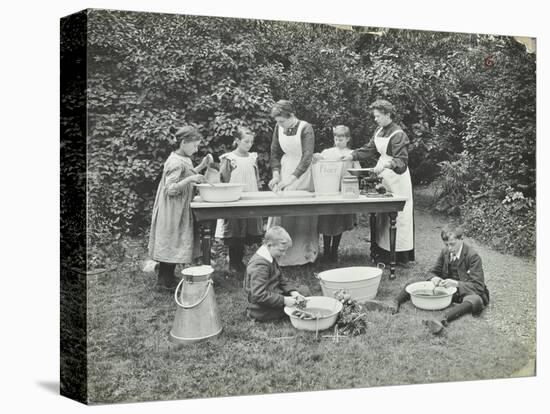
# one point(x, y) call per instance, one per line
point(458, 265)
point(267, 290)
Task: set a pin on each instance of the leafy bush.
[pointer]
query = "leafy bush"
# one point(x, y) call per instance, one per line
point(508, 226)
point(501, 131)
point(452, 185)
point(149, 74)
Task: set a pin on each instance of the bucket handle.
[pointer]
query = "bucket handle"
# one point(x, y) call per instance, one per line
point(199, 301)
point(381, 265)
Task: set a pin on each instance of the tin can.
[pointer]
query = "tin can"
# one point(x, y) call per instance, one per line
point(350, 187)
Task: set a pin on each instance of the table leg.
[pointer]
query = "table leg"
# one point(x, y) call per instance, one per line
point(372, 223)
point(205, 232)
point(393, 231)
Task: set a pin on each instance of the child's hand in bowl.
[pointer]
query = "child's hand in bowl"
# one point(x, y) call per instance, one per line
point(436, 280)
point(301, 302)
point(447, 283)
point(289, 301)
point(197, 179)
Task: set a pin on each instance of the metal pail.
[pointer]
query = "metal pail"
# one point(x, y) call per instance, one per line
point(197, 317)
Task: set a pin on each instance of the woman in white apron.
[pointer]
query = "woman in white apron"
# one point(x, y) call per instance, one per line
point(391, 144)
point(291, 156)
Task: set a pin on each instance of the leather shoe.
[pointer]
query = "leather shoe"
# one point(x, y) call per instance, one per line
point(434, 326)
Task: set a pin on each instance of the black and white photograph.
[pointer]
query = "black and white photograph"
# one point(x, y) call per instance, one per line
point(265, 206)
point(281, 206)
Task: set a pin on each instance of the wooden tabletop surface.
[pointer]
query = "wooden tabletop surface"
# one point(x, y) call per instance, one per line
point(274, 200)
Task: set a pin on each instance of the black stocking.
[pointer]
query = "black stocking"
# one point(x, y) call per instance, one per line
point(236, 253)
point(326, 245)
point(402, 297)
point(335, 243)
point(166, 271)
point(458, 311)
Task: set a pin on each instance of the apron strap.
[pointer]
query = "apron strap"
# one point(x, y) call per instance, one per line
point(391, 135)
point(395, 132)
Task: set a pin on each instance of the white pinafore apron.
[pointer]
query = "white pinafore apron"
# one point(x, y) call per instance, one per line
point(302, 229)
point(400, 185)
point(244, 172)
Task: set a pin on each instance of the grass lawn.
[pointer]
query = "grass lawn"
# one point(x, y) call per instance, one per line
point(131, 359)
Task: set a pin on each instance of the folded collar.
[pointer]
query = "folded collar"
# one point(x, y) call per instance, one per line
point(264, 252)
point(458, 253)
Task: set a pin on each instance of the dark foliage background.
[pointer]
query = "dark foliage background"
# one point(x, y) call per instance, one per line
point(466, 101)
point(73, 232)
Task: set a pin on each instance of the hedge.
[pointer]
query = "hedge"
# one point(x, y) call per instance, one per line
point(152, 73)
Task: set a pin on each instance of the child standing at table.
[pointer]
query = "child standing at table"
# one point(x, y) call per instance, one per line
point(332, 226)
point(240, 166)
point(172, 239)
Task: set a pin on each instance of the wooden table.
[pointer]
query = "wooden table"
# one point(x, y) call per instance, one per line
point(206, 213)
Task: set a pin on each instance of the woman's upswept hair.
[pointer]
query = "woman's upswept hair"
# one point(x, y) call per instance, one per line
point(384, 106)
point(282, 108)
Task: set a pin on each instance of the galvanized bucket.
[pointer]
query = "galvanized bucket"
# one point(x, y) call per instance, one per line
point(197, 317)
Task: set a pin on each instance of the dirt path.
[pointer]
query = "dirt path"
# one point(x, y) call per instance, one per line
point(511, 281)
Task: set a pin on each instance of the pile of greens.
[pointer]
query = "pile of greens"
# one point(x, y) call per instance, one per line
point(353, 318)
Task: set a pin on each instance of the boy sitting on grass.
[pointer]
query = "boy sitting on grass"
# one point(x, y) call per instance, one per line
point(458, 265)
point(267, 290)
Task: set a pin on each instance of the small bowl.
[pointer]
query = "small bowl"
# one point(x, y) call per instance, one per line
point(323, 322)
point(361, 172)
point(220, 192)
point(428, 302)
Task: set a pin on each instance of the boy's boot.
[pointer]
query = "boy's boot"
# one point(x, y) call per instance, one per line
point(433, 325)
point(456, 312)
point(166, 278)
point(391, 307)
point(402, 297)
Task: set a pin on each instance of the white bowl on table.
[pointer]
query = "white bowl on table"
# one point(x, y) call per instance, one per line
point(220, 192)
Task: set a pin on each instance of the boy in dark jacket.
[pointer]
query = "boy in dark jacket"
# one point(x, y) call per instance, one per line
point(460, 266)
point(267, 290)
